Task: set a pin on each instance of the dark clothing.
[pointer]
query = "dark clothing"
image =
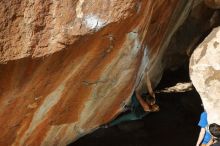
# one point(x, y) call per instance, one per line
point(135, 112)
point(136, 107)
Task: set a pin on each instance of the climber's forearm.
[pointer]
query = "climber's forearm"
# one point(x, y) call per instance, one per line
point(149, 86)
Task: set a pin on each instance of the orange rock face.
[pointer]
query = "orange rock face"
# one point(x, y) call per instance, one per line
point(68, 66)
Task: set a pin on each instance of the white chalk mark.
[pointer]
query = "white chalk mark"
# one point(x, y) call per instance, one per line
point(94, 22)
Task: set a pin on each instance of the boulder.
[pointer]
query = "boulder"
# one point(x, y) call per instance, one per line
point(205, 74)
point(67, 67)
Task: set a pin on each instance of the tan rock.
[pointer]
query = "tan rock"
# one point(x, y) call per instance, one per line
point(205, 74)
point(179, 87)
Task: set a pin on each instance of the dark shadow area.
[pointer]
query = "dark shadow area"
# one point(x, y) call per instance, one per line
point(174, 125)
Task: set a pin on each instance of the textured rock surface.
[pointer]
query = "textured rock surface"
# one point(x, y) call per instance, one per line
point(68, 66)
point(189, 35)
point(179, 113)
point(205, 74)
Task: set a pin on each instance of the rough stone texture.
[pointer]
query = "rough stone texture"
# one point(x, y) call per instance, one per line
point(198, 25)
point(215, 4)
point(68, 66)
point(205, 74)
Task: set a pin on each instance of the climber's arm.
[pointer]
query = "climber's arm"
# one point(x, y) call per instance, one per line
point(149, 86)
point(201, 136)
point(145, 106)
point(149, 89)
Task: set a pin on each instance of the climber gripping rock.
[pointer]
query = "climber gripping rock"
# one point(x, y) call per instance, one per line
point(140, 105)
point(137, 109)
